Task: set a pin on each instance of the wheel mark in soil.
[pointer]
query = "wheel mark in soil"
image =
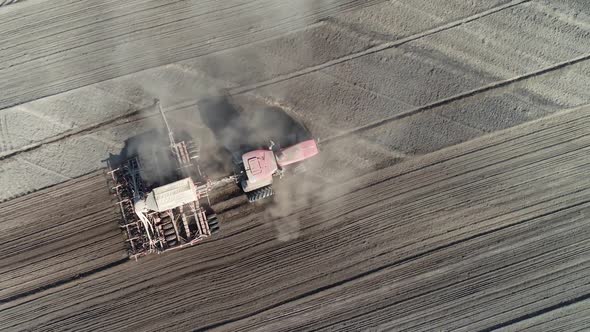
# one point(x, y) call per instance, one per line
point(64, 126)
point(358, 29)
point(104, 21)
point(7, 2)
point(360, 87)
point(63, 281)
point(140, 30)
point(375, 49)
point(491, 218)
point(564, 209)
point(280, 78)
point(24, 193)
point(45, 169)
point(5, 146)
point(460, 96)
point(539, 312)
point(396, 263)
point(82, 130)
point(462, 124)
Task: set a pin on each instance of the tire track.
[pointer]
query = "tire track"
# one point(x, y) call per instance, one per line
point(424, 202)
point(134, 114)
point(471, 93)
point(57, 235)
point(5, 146)
point(378, 48)
point(7, 2)
point(505, 209)
point(44, 169)
point(63, 281)
point(540, 312)
point(223, 28)
point(368, 273)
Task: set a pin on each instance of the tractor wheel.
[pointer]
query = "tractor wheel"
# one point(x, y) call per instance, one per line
point(259, 194)
point(213, 224)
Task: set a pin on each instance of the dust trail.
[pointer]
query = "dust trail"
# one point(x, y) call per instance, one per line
point(240, 130)
point(241, 127)
point(319, 183)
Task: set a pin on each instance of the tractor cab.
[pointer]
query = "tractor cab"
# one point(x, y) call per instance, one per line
point(260, 167)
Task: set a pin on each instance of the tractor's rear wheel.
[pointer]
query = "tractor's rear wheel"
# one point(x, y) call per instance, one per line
point(213, 223)
point(260, 193)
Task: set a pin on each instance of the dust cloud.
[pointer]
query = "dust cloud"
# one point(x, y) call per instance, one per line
point(320, 182)
point(241, 128)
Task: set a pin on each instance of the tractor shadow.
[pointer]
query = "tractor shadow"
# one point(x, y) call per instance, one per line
point(150, 148)
point(133, 144)
point(238, 131)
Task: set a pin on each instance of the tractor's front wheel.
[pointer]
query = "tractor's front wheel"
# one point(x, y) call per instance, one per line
point(260, 193)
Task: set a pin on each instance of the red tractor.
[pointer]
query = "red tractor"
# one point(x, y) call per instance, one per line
point(243, 134)
point(260, 166)
point(177, 213)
